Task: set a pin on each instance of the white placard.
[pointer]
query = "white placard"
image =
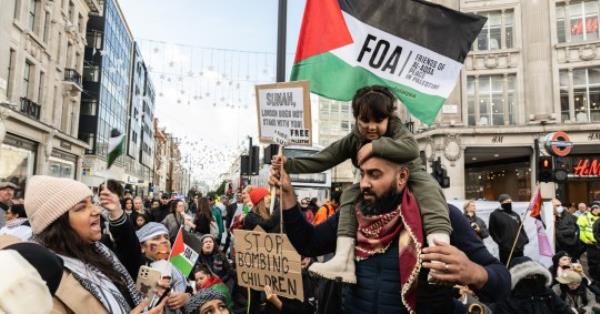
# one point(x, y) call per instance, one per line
point(284, 107)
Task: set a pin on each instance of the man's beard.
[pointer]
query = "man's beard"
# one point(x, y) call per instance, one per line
point(384, 204)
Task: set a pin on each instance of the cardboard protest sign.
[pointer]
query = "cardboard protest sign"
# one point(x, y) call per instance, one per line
point(268, 259)
point(284, 107)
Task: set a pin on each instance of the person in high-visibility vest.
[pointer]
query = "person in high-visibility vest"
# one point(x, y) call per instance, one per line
point(328, 209)
point(587, 224)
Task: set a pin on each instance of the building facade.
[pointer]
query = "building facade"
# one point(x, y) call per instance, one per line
point(161, 157)
point(42, 46)
point(534, 69)
point(335, 122)
point(138, 161)
point(118, 95)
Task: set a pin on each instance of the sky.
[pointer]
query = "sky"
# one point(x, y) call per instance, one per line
point(205, 58)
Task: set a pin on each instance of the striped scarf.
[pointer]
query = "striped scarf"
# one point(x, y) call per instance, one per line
point(98, 284)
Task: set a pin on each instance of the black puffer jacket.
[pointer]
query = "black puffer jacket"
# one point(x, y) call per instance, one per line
point(378, 285)
point(504, 226)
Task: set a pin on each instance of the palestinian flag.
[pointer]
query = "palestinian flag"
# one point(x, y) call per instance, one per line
point(116, 145)
point(535, 211)
point(184, 253)
point(535, 205)
point(413, 47)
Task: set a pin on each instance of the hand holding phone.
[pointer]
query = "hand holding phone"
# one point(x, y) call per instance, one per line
point(147, 281)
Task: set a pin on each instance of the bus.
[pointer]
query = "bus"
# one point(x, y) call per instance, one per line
point(305, 184)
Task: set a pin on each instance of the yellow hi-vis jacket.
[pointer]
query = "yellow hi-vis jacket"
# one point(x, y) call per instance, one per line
point(585, 223)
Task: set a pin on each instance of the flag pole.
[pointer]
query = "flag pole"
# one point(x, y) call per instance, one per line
point(280, 154)
point(512, 250)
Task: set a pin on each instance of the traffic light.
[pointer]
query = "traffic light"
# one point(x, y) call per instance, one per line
point(255, 160)
point(439, 173)
point(545, 169)
point(244, 165)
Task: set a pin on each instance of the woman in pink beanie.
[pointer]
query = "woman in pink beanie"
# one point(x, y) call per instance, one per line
point(64, 219)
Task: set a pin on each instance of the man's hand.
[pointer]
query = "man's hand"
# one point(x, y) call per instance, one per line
point(111, 202)
point(177, 300)
point(279, 178)
point(453, 266)
point(364, 153)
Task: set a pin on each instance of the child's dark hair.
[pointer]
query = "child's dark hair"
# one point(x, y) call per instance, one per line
point(203, 268)
point(373, 102)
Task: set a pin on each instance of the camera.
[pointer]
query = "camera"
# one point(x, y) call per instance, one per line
point(474, 225)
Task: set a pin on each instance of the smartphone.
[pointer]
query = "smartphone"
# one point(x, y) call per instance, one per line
point(147, 281)
point(164, 295)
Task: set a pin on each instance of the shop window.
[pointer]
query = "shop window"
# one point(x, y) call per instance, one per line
point(61, 168)
point(487, 182)
point(18, 159)
point(498, 31)
point(492, 100)
point(577, 21)
point(580, 94)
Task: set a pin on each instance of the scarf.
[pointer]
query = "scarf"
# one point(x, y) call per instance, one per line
point(13, 223)
point(209, 283)
point(375, 233)
point(98, 284)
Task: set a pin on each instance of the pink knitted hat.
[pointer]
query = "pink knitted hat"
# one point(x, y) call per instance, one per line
point(48, 198)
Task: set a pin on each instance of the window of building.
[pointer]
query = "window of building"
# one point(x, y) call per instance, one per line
point(88, 107)
point(46, 27)
point(94, 39)
point(71, 12)
point(41, 88)
point(26, 78)
point(80, 23)
point(91, 73)
point(580, 94)
point(577, 21)
point(32, 13)
point(497, 33)
point(491, 100)
point(17, 10)
point(11, 65)
point(58, 46)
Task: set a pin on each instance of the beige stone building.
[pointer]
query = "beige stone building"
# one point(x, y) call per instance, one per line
point(534, 69)
point(42, 45)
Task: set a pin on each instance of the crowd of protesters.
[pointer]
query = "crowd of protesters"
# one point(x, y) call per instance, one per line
point(384, 245)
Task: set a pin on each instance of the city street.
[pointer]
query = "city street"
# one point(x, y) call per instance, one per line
point(308, 156)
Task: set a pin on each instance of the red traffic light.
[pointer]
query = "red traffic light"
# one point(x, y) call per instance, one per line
point(546, 163)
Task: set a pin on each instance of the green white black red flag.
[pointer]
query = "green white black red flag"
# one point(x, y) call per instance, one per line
point(116, 146)
point(413, 47)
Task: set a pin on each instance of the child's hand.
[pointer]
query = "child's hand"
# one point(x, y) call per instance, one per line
point(364, 153)
point(270, 295)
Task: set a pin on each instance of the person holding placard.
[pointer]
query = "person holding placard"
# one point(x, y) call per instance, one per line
point(391, 270)
point(378, 132)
